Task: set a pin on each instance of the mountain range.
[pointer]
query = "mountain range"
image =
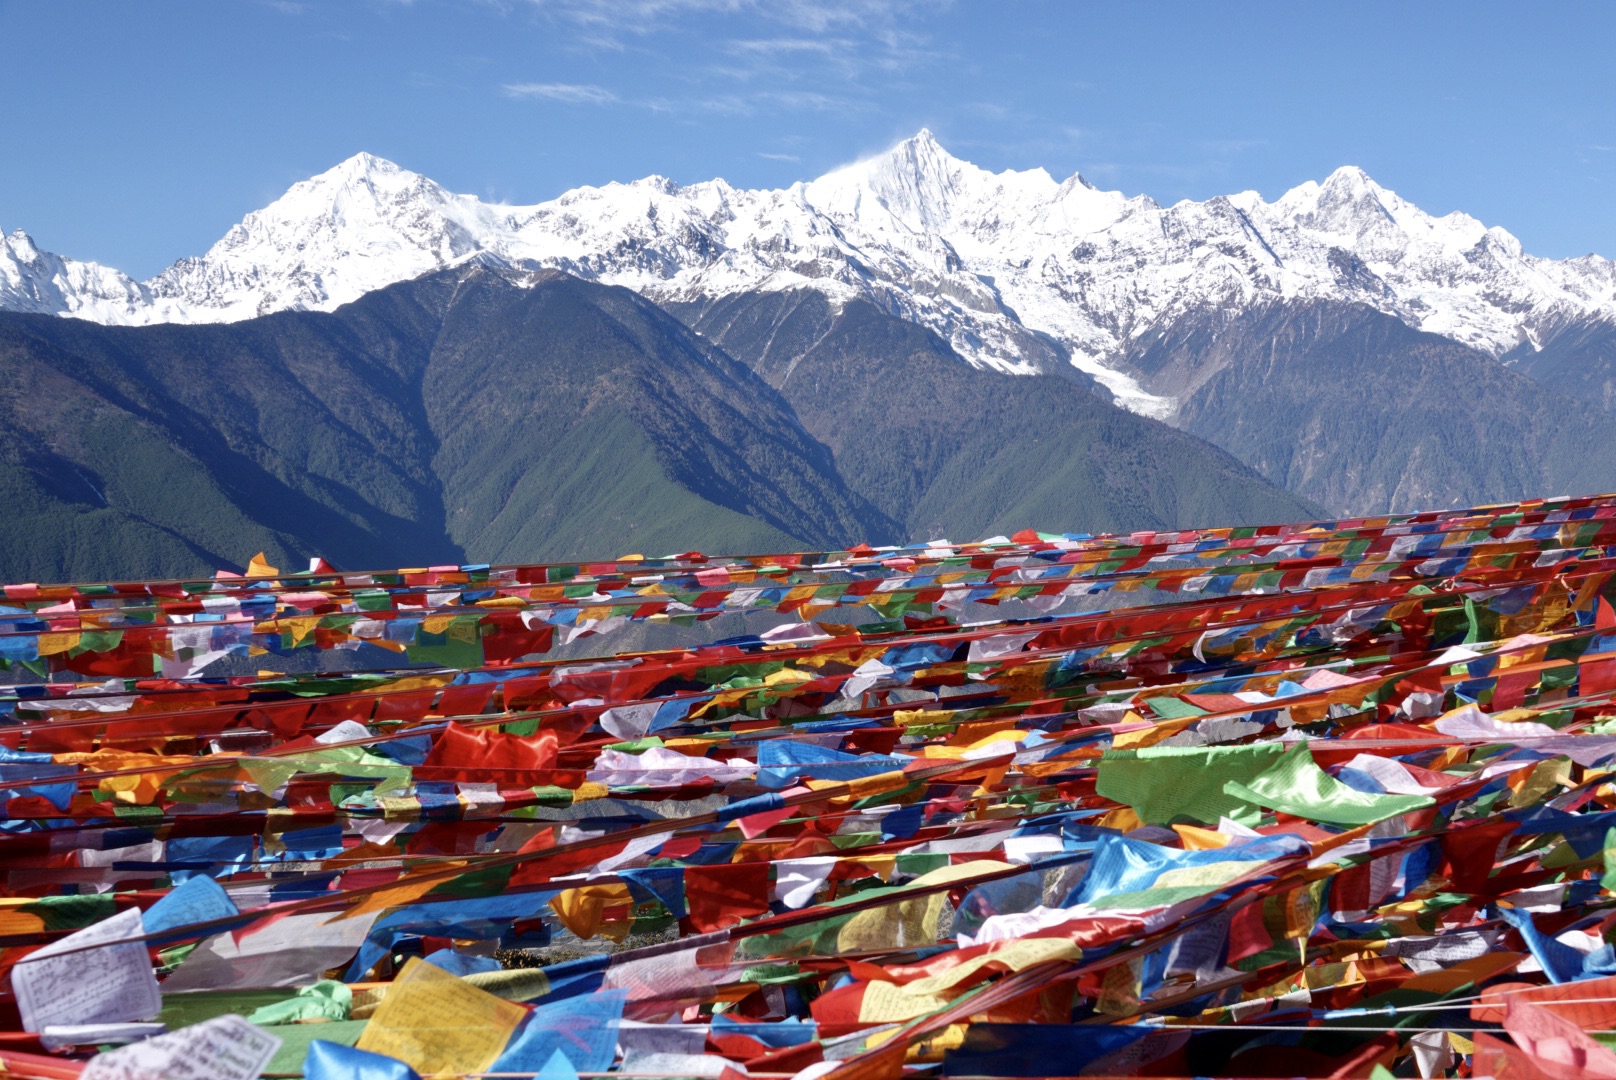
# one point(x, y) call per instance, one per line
point(485, 413)
point(1014, 270)
point(906, 346)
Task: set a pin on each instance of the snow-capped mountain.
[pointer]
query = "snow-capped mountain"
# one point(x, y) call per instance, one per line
point(46, 284)
point(1017, 271)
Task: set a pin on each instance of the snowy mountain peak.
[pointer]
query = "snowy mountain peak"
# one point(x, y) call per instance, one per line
point(915, 183)
point(919, 156)
point(1077, 180)
point(1351, 177)
point(359, 226)
point(1501, 239)
point(364, 162)
point(1016, 271)
point(363, 183)
point(921, 187)
point(1346, 197)
point(20, 244)
point(37, 281)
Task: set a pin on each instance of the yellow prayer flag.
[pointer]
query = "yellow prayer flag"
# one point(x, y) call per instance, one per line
point(583, 909)
point(1198, 839)
point(259, 567)
point(301, 626)
point(912, 922)
point(884, 1002)
point(405, 890)
point(51, 644)
point(436, 1022)
point(1016, 955)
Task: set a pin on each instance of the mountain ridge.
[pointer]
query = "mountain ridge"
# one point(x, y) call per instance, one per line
point(1352, 408)
point(487, 414)
point(964, 451)
point(1016, 271)
point(451, 413)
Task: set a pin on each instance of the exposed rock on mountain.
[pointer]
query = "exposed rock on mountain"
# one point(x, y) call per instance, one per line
point(953, 451)
point(1351, 408)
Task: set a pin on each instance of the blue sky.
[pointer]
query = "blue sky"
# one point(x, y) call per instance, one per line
point(135, 134)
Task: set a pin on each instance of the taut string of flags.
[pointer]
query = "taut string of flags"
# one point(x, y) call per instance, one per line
point(1324, 799)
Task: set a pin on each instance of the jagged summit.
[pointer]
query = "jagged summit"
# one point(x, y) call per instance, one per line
point(1350, 176)
point(921, 187)
point(1017, 271)
point(360, 225)
point(364, 162)
point(359, 180)
point(38, 281)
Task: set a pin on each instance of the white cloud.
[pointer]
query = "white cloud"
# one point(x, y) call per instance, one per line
point(783, 46)
point(742, 57)
point(787, 101)
point(803, 101)
point(568, 93)
point(817, 16)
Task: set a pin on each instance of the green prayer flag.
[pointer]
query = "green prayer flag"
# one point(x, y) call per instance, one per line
point(1163, 783)
point(1296, 785)
point(1172, 708)
point(323, 1001)
point(295, 1039)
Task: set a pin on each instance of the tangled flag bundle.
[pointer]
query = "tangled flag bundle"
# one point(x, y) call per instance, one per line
point(1330, 799)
